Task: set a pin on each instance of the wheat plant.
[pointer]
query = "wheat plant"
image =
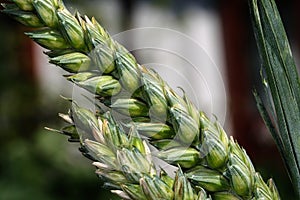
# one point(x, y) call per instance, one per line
point(210, 165)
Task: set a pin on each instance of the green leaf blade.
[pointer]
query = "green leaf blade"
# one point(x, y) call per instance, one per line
point(283, 80)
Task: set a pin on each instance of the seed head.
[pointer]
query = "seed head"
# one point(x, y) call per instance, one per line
point(73, 62)
point(71, 29)
point(216, 155)
point(210, 180)
point(49, 39)
point(182, 187)
point(103, 58)
point(47, 12)
point(130, 107)
point(186, 129)
point(134, 191)
point(25, 5)
point(155, 189)
point(101, 85)
point(26, 18)
point(240, 180)
point(156, 131)
point(127, 69)
point(185, 157)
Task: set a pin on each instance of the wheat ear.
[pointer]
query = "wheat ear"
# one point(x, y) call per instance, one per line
point(183, 135)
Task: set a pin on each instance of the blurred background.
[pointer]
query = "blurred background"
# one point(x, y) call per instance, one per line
point(36, 164)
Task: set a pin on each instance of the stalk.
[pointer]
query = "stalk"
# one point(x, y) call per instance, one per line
point(209, 162)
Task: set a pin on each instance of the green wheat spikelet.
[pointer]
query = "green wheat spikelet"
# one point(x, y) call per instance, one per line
point(211, 166)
